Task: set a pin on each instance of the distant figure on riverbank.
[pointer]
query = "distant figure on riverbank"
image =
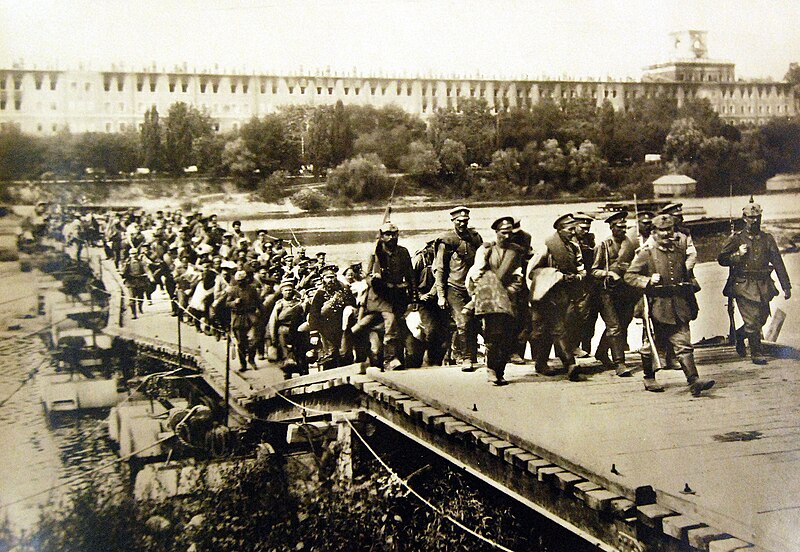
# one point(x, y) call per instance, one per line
point(752, 255)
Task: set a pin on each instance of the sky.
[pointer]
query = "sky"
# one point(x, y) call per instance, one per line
point(491, 38)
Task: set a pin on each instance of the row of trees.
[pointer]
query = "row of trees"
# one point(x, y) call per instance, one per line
point(570, 146)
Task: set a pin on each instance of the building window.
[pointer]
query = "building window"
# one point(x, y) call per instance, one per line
point(346, 90)
point(244, 88)
point(330, 91)
point(233, 88)
point(87, 87)
point(319, 90)
point(2, 105)
point(291, 90)
point(172, 87)
point(107, 84)
point(215, 87)
point(3, 83)
point(372, 90)
point(184, 87)
point(120, 84)
point(139, 85)
point(274, 89)
point(107, 106)
point(121, 106)
point(357, 90)
point(38, 82)
point(264, 88)
point(303, 90)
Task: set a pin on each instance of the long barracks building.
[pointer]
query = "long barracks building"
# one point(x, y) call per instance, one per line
point(40, 101)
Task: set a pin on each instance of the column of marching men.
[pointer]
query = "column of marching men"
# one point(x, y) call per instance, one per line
point(518, 294)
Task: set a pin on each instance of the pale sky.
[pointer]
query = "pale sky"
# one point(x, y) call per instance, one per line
point(511, 38)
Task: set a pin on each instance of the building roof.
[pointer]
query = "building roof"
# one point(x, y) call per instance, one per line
point(675, 179)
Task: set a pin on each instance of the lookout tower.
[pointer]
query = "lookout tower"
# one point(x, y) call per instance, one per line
point(688, 61)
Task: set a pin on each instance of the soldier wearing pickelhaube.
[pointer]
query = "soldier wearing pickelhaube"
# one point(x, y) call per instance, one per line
point(752, 255)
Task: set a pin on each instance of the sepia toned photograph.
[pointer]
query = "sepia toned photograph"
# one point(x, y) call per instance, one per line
point(399, 275)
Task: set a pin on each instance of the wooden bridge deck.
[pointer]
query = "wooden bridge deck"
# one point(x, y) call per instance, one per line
point(737, 448)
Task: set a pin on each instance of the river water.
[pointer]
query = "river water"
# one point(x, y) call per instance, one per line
point(351, 238)
point(41, 460)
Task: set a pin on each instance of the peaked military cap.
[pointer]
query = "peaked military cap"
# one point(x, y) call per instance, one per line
point(583, 218)
point(619, 216)
point(332, 268)
point(663, 221)
point(287, 282)
point(646, 216)
point(502, 222)
point(672, 209)
point(563, 220)
point(459, 212)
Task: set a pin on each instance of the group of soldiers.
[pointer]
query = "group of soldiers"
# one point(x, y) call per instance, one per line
point(548, 295)
point(515, 293)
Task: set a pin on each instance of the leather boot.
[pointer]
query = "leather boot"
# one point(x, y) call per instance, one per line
point(696, 385)
point(650, 383)
point(601, 354)
point(756, 353)
point(740, 348)
point(618, 354)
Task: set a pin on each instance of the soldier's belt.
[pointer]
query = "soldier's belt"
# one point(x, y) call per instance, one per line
point(754, 274)
point(669, 290)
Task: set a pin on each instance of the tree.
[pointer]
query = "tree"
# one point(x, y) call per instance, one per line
point(505, 166)
point(342, 137)
point(421, 162)
point(452, 159)
point(585, 165)
point(362, 178)
point(779, 142)
point(185, 125)
point(793, 76)
point(262, 147)
point(239, 160)
point(152, 151)
point(20, 155)
point(113, 153)
point(683, 141)
point(386, 132)
point(319, 150)
point(473, 125)
point(552, 162)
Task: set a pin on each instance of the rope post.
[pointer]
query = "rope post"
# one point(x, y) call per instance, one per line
point(227, 375)
point(121, 306)
point(180, 345)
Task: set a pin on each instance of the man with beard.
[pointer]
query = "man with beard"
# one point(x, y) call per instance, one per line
point(325, 315)
point(660, 270)
point(752, 255)
point(617, 300)
point(429, 325)
point(557, 265)
point(496, 281)
point(455, 254)
point(391, 288)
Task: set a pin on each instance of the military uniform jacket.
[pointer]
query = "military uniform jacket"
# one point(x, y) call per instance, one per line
point(672, 301)
point(396, 285)
point(750, 274)
point(455, 254)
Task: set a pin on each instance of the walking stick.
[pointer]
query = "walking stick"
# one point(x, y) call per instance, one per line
point(730, 306)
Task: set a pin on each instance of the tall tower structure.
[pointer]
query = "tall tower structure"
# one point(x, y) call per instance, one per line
point(689, 62)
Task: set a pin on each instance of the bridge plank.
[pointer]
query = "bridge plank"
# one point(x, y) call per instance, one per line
point(677, 526)
point(565, 480)
point(701, 537)
point(652, 515)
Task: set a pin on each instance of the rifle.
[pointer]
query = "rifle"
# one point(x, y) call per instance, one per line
point(730, 306)
point(387, 213)
point(648, 322)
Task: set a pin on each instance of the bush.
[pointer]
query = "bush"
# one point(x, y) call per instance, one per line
point(311, 199)
point(362, 178)
point(596, 189)
point(274, 187)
